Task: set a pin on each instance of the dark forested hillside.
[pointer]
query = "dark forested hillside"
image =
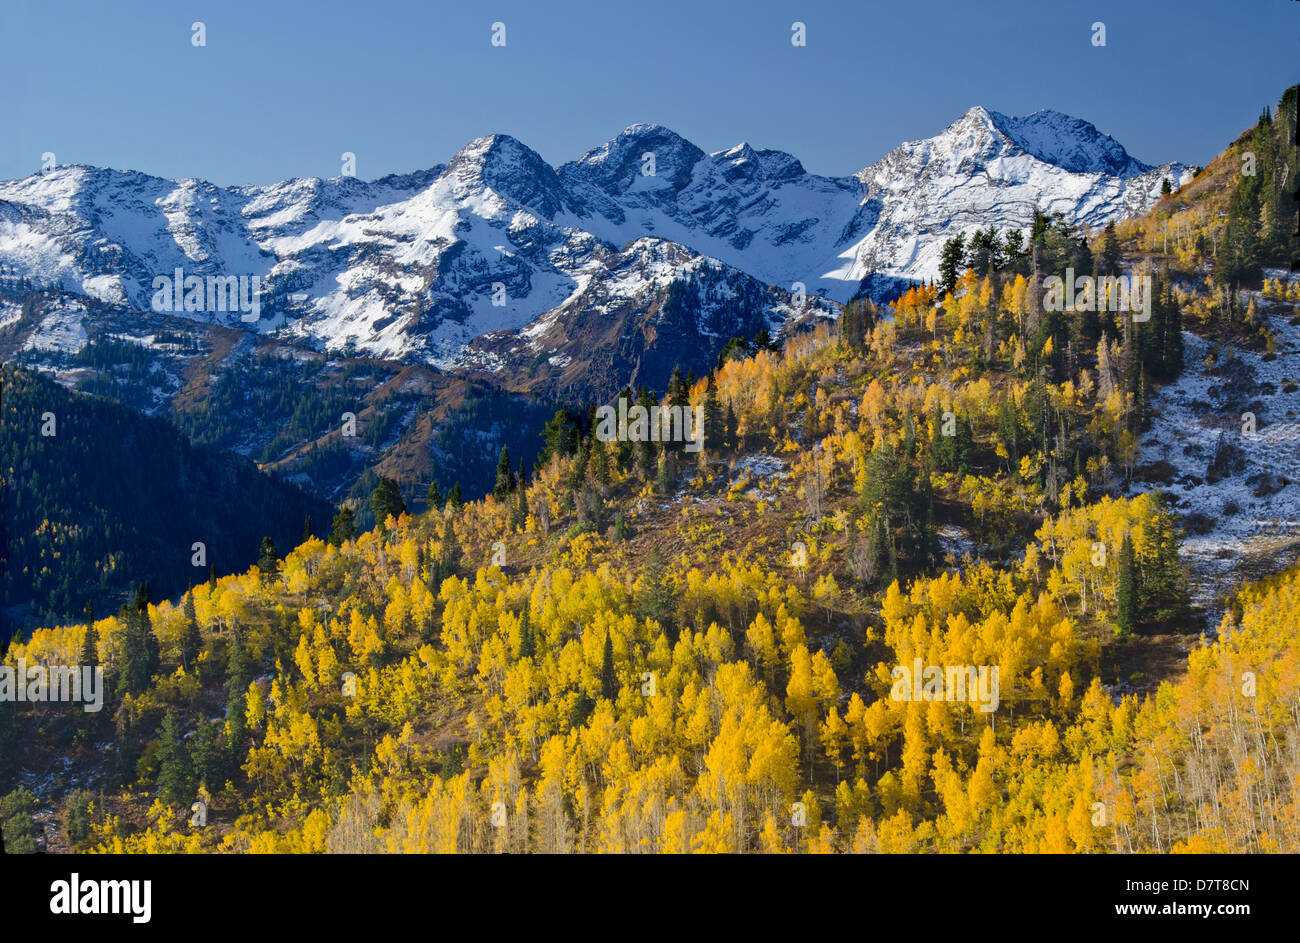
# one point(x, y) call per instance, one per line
point(98, 498)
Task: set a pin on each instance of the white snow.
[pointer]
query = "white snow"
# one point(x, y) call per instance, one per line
point(1251, 534)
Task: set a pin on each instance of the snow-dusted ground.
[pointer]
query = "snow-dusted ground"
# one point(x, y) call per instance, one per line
point(62, 330)
point(956, 541)
point(1251, 531)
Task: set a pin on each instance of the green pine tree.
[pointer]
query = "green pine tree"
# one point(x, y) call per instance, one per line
point(268, 559)
point(608, 680)
point(527, 643)
point(344, 527)
point(175, 775)
point(386, 501)
point(505, 479)
point(205, 756)
point(90, 644)
point(191, 638)
point(1126, 602)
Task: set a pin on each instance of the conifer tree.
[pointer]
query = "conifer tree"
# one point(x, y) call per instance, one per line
point(191, 639)
point(90, 645)
point(519, 513)
point(386, 501)
point(268, 560)
point(731, 425)
point(344, 527)
point(1110, 251)
point(656, 600)
point(951, 263)
point(1126, 605)
point(527, 643)
point(608, 680)
point(174, 772)
point(505, 478)
point(205, 756)
point(449, 559)
point(715, 433)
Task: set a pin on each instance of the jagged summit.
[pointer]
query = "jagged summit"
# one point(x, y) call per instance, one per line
point(1068, 142)
point(408, 266)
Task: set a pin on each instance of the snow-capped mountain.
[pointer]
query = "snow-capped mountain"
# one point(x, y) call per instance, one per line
point(989, 169)
point(492, 258)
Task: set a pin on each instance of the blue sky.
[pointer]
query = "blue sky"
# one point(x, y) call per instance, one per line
point(283, 88)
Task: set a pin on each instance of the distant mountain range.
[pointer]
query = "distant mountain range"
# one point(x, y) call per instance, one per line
point(488, 263)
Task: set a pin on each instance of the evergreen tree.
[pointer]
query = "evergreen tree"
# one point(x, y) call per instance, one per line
point(1126, 606)
point(731, 425)
point(856, 321)
point(715, 433)
point(386, 501)
point(344, 527)
point(307, 533)
point(268, 559)
point(174, 770)
point(90, 644)
point(519, 513)
point(622, 447)
point(17, 821)
point(600, 460)
point(191, 639)
point(1172, 352)
point(951, 263)
point(238, 670)
point(664, 478)
point(678, 394)
point(205, 756)
point(1162, 596)
point(559, 436)
point(608, 680)
point(138, 653)
point(454, 499)
point(645, 448)
point(527, 643)
point(656, 600)
point(1110, 251)
point(678, 398)
point(434, 497)
point(449, 559)
point(505, 479)
point(579, 474)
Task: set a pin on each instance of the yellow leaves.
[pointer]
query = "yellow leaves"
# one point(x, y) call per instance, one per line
point(1038, 741)
point(834, 734)
point(392, 753)
point(302, 657)
point(254, 707)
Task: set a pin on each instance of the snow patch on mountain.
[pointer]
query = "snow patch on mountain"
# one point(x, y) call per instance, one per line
point(1249, 520)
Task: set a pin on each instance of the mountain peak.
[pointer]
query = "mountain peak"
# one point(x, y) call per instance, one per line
point(616, 164)
point(761, 163)
point(512, 169)
point(1068, 142)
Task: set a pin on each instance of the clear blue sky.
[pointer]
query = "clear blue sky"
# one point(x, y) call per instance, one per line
point(282, 89)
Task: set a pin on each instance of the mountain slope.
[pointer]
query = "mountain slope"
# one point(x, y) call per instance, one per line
point(111, 498)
